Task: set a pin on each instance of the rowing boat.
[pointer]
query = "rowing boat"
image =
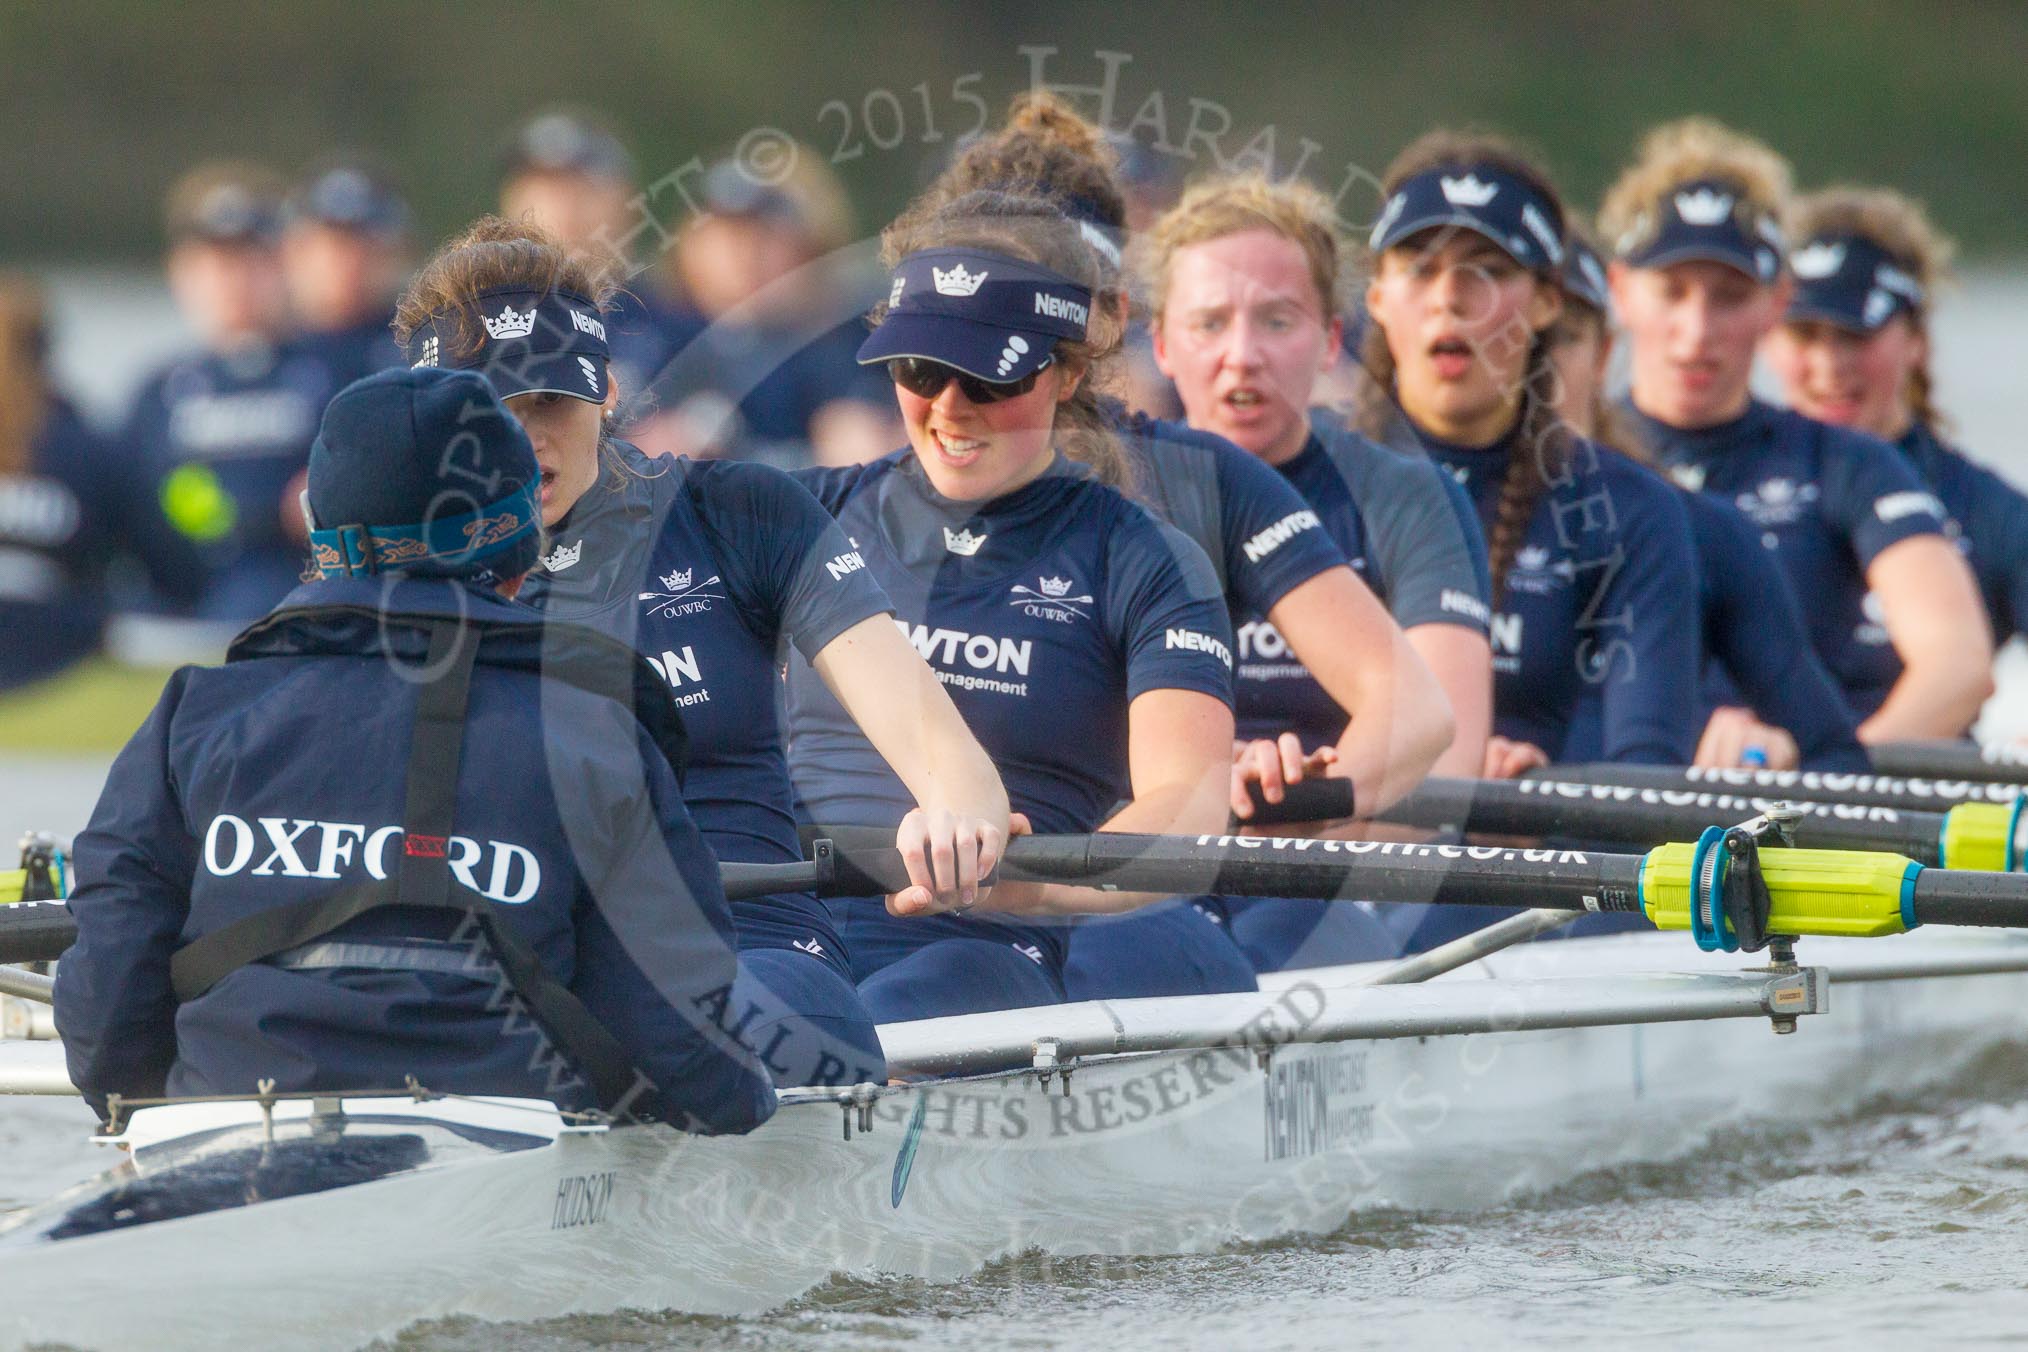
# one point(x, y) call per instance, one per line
point(1113, 1128)
point(1319, 1097)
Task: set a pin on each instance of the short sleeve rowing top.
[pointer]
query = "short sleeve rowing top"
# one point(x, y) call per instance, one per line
point(1992, 515)
point(704, 568)
point(1596, 604)
point(1044, 613)
point(1827, 501)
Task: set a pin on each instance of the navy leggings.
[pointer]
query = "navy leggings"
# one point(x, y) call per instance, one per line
point(1281, 933)
point(929, 967)
point(794, 1001)
point(1173, 947)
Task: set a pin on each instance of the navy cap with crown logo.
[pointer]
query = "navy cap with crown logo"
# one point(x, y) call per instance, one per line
point(1584, 275)
point(986, 314)
point(230, 213)
point(565, 142)
point(1709, 220)
point(1482, 198)
point(523, 342)
point(1850, 281)
point(351, 197)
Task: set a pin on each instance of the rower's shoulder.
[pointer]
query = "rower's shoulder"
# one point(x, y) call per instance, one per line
point(835, 485)
point(1619, 469)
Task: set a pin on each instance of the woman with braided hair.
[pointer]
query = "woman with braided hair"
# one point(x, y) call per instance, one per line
point(1589, 552)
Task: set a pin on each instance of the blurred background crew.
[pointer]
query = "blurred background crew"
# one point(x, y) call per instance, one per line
point(227, 429)
point(761, 365)
point(346, 249)
point(567, 172)
point(1854, 350)
point(66, 509)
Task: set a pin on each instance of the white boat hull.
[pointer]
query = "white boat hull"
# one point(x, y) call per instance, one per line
point(1146, 1154)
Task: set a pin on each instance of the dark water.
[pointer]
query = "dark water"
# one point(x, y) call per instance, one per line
point(1901, 1224)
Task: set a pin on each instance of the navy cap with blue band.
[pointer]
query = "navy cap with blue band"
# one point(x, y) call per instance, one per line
point(1850, 281)
point(422, 471)
point(530, 342)
point(1483, 198)
point(986, 314)
point(1707, 220)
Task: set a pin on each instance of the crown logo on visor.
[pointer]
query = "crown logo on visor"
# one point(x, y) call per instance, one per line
point(1703, 207)
point(1056, 586)
point(957, 281)
point(677, 581)
point(1468, 191)
point(962, 541)
point(1822, 259)
point(510, 323)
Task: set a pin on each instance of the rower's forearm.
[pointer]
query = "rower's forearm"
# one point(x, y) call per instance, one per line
point(1938, 695)
point(954, 772)
point(1399, 734)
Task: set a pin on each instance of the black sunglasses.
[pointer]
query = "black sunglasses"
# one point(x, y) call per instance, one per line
point(926, 380)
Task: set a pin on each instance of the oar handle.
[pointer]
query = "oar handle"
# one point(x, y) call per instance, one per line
point(1321, 799)
point(1996, 764)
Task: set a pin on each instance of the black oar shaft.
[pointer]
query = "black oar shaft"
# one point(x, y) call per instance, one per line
point(1627, 815)
point(864, 861)
point(1998, 764)
point(1265, 866)
point(1960, 897)
point(1921, 795)
point(35, 931)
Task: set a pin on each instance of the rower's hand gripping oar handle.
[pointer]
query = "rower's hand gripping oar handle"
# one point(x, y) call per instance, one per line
point(1319, 799)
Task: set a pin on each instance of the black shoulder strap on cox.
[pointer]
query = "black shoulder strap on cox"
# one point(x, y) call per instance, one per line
point(424, 880)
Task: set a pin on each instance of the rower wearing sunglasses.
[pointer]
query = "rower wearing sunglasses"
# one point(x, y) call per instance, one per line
point(708, 570)
point(1337, 686)
point(1085, 642)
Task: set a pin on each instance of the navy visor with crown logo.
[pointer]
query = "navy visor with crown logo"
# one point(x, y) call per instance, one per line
point(529, 342)
point(988, 315)
point(1482, 198)
point(1708, 220)
point(1850, 281)
point(1584, 276)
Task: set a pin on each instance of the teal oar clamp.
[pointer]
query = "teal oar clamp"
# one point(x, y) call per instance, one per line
point(1729, 900)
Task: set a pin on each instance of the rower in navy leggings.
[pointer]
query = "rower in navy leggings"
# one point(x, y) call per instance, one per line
point(1084, 640)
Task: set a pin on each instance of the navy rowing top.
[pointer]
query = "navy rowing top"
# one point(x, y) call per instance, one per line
point(1409, 532)
point(1756, 647)
point(704, 567)
point(63, 519)
point(1263, 540)
point(1992, 516)
point(1595, 603)
point(243, 422)
point(1827, 501)
point(1044, 613)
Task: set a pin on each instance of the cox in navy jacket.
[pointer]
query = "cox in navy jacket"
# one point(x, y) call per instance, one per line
point(280, 777)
